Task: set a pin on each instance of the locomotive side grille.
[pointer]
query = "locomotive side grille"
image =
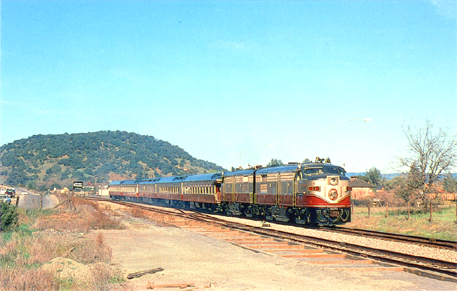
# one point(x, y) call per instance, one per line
point(263, 188)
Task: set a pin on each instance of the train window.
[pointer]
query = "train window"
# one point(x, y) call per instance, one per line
point(313, 171)
point(334, 170)
point(325, 169)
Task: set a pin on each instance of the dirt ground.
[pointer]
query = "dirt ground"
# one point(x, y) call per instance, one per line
point(212, 264)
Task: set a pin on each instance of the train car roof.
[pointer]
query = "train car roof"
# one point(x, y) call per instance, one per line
point(149, 181)
point(239, 173)
point(172, 179)
point(124, 182)
point(203, 177)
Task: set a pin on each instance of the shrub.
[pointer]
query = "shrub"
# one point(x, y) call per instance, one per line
point(9, 216)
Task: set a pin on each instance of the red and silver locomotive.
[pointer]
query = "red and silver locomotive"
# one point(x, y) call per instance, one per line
point(310, 193)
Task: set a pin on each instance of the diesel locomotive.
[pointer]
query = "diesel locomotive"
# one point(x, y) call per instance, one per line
point(308, 193)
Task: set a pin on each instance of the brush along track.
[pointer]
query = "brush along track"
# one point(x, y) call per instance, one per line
point(428, 267)
point(424, 241)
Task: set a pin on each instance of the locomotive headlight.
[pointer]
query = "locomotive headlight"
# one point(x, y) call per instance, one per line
point(333, 194)
point(332, 180)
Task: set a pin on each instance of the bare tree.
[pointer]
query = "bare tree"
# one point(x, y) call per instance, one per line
point(431, 155)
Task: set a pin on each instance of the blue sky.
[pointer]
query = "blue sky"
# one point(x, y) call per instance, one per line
point(232, 81)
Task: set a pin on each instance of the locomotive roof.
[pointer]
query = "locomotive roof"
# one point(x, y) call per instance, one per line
point(203, 177)
point(315, 165)
point(287, 168)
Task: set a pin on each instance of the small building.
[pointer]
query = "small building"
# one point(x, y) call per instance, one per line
point(361, 189)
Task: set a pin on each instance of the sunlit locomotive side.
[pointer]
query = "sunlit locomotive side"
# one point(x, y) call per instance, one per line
point(312, 193)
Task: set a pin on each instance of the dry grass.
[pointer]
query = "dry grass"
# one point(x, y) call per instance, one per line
point(25, 254)
point(443, 225)
point(27, 279)
point(137, 212)
point(85, 216)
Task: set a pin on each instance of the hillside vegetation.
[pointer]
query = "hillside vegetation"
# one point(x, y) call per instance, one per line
point(48, 161)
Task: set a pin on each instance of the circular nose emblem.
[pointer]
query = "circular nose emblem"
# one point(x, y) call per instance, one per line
point(333, 194)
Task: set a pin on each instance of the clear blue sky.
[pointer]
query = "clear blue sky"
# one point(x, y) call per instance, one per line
point(221, 78)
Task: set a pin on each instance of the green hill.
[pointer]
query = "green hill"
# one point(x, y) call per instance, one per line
point(48, 161)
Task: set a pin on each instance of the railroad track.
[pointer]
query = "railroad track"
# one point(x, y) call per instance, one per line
point(428, 267)
point(424, 241)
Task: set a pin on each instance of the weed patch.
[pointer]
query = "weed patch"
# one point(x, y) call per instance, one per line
point(31, 256)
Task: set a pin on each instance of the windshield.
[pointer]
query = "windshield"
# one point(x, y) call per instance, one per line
point(324, 170)
point(334, 170)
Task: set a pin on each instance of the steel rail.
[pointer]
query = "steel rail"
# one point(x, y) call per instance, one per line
point(441, 270)
point(425, 241)
point(412, 264)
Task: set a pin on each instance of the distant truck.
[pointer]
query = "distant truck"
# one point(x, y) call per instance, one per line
point(11, 192)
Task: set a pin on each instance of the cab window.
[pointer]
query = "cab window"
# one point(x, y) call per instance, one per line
point(313, 171)
point(335, 170)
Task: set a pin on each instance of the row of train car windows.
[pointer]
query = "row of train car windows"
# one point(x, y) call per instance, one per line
point(200, 190)
point(175, 190)
point(187, 190)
